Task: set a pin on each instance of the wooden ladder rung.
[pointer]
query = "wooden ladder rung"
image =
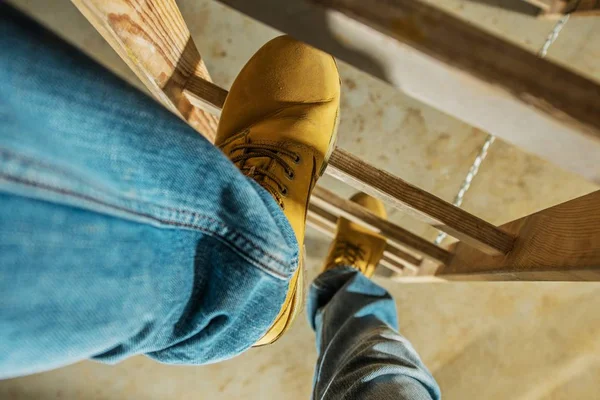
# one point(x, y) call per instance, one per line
point(205, 95)
point(421, 204)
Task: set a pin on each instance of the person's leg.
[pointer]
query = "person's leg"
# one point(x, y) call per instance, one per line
point(361, 353)
point(122, 230)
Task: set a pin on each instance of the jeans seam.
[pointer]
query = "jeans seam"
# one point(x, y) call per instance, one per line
point(204, 229)
point(100, 188)
point(60, 171)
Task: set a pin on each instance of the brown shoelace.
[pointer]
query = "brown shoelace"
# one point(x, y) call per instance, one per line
point(346, 253)
point(275, 153)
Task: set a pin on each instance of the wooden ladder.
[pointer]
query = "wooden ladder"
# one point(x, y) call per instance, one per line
point(559, 243)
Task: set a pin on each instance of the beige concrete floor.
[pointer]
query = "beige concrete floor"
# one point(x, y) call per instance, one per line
point(481, 340)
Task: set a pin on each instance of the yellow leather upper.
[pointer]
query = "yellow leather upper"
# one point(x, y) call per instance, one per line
point(355, 236)
point(286, 97)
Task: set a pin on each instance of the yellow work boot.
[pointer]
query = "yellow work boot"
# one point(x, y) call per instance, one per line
point(278, 126)
point(357, 246)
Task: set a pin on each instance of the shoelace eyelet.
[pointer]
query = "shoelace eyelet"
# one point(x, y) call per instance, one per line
point(284, 191)
point(297, 159)
point(290, 175)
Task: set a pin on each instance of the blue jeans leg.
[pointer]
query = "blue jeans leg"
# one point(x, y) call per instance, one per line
point(122, 230)
point(361, 354)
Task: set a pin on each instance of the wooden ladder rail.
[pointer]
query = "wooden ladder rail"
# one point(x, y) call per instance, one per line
point(560, 243)
point(154, 41)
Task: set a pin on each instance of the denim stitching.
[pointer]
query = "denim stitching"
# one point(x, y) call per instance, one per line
point(100, 188)
point(69, 175)
point(167, 222)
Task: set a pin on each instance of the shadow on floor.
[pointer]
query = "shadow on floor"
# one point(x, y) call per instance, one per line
point(557, 346)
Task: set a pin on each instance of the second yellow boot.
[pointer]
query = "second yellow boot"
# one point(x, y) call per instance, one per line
point(356, 246)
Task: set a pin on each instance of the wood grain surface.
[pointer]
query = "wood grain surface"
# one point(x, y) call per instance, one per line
point(559, 243)
point(577, 8)
point(205, 95)
point(152, 38)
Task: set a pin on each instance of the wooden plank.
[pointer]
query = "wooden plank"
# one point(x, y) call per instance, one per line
point(492, 84)
point(152, 38)
point(559, 243)
point(586, 13)
point(584, 5)
point(560, 7)
point(419, 203)
point(394, 259)
point(354, 212)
